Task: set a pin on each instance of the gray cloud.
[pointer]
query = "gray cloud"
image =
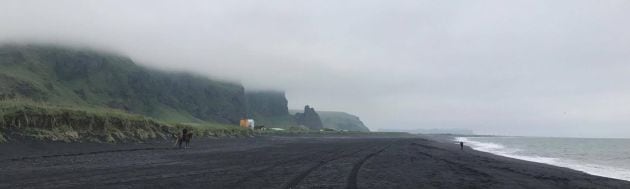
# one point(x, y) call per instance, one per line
point(549, 68)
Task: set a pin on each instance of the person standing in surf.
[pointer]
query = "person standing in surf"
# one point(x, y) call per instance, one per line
point(461, 145)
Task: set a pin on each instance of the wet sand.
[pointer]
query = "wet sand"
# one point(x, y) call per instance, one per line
point(279, 162)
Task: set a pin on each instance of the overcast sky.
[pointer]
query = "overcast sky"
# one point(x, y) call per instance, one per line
point(518, 67)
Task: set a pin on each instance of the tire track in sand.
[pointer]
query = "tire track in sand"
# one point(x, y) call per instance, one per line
point(297, 179)
point(256, 173)
point(352, 178)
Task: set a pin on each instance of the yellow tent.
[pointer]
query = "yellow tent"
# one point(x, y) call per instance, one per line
point(244, 122)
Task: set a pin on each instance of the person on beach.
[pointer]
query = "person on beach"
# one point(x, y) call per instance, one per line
point(461, 145)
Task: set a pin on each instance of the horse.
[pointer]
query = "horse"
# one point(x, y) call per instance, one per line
point(185, 136)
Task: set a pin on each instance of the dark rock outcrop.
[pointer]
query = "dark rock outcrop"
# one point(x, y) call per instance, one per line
point(309, 118)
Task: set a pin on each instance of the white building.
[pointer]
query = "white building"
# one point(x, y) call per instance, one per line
point(250, 123)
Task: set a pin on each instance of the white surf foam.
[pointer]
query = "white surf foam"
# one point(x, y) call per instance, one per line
point(594, 169)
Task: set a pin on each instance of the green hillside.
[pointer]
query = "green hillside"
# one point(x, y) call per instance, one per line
point(341, 121)
point(86, 78)
point(65, 94)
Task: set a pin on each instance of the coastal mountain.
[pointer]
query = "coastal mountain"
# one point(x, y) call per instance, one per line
point(73, 77)
point(269, 108)
point(337, 120)
point(66, 94)
point(342, 121)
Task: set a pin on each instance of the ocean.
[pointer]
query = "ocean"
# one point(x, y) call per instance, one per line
point(602, 157)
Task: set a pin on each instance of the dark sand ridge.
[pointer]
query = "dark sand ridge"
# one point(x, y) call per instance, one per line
point(279, 162)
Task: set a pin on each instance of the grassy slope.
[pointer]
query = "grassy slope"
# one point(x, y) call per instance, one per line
point(85, 78)
point(340, 121)
point(28, 119)
point(39, 85)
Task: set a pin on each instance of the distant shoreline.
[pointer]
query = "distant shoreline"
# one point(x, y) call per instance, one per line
point(608, 174)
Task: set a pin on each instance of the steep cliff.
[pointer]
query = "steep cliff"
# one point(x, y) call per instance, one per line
point(269, 108)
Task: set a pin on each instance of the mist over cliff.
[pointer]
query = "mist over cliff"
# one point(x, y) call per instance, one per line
point(269, 108)
point(69, 76)
point(342, 121)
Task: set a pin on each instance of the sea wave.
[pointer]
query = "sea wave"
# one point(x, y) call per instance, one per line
point(594, 169)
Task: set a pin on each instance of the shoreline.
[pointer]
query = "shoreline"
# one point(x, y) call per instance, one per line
point(588, 168)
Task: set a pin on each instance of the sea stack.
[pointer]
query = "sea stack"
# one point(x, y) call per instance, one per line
point(309, 118)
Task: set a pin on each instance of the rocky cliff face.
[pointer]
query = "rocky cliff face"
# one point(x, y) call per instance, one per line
point(309, 118)
point(269, 108)
point(266, 103)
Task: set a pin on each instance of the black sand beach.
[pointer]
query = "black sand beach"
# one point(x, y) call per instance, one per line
point(279, 162)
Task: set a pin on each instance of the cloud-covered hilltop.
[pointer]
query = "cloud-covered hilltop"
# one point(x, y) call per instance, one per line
point(81, 78)
point(68, 76)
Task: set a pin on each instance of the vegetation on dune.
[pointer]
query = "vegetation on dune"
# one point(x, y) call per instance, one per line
point(23, 118)
point(47, 122)
point(214, 130)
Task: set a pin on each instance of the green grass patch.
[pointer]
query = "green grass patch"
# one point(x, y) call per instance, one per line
point(214, 130)
point(2, 139)
point(48, 122)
